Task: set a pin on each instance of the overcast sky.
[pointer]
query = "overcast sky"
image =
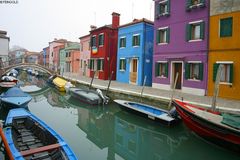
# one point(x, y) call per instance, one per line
point(33, 23)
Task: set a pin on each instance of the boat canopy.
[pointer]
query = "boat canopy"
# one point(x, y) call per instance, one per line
point(232, 120)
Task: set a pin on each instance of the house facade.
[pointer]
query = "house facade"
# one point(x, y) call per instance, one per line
point(224, 47)
point(104, 49)
point(46, 56)
point(135, 49)
point(72, 57)
point(56, 56)
point(4, 46)
point(181, 45)
point(85, 50)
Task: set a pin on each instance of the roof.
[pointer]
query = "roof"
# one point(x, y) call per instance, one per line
point(84, 36)
point(105, 26)
point(59, 41)
point(74, 46)
point(135, 21)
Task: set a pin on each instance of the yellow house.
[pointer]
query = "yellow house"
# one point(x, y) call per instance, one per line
point(224, 48)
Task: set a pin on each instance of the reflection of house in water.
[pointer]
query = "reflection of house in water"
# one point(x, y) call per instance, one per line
point(137, 139)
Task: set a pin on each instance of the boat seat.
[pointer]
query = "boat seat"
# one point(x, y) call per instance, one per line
point(40, 149)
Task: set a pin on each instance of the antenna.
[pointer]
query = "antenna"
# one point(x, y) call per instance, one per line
point(132, 9)
point(95, 18)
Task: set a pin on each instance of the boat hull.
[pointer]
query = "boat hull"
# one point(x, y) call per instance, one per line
point(208, 130)
point(30, 138)
point(86, 96)
point(169, 121)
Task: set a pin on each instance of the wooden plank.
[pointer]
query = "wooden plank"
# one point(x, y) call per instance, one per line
point(40, 149)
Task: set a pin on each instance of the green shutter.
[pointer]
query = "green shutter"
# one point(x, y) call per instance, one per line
point(187, 70)
point(188, 32)
point(124, 42)
point(132, 40)
point(98, 64)
point(160, 9)
point(168, 7)
point(99, 39)
point(168, 35)
point(188, 4)
point(124, 64)
point(201, 71)
point(157, 65)
point(103, 39)
point(215, 69)
point(202, 30)
point(166, 70)
point(158, 36)
point(157, 10)
point(138, 40)
point(231, 73)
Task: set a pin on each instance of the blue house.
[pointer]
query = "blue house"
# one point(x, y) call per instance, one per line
point(135, 50)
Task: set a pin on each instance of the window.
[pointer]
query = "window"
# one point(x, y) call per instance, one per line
point(93, 41)
point(194, 70)
point(52, 54)
point(161, 69)
point(100, 64)
point(81, 63)
point(163, 8)
point(195, 31)
point(163, 35)
point(227, 72)
point(91, 64)
point(192, 4)
point(226, 27)
point(136, 40)
point(101, 39)
point(122, 64)
point(122, 43)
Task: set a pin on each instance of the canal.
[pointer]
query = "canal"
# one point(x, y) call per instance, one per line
point(110, 133)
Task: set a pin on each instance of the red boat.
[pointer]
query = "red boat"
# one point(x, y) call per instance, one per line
point(220, 128)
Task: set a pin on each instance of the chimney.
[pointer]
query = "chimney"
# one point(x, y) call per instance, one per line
point(115, 19)
point(92, 27)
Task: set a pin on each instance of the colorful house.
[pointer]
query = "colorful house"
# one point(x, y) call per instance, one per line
point(53, 44)
point(4, 46)
point(181, 45)
point(135, 49)
point(104, 49)
point(85, 55)
point(56, 56)
point(72, 57)
point(224, 47)
point(62, 60)
point(46, 56)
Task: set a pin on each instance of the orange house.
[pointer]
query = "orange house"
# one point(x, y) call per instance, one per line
point(72, 57)
point(224, 48)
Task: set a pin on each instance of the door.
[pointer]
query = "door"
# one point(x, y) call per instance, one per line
point(133, 71)
point(177, 68)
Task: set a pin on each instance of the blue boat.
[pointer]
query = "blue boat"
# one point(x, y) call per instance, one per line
point(151, 112)
point(15, 97)
point(28, 137)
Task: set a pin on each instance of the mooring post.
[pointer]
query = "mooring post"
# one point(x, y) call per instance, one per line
point(110, 80)
point(173, 90)
point(144, 82)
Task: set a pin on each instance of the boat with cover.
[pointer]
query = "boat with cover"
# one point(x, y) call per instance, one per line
point(28, 137)
point(151, 112)
point(15, 97)
point(8, 81)
point(89, 96)
point(60, 84)
point(220, 128)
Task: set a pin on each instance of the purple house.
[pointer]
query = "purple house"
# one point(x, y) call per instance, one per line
point(181, 45)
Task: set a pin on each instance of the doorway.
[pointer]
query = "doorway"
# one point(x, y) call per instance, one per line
point(133, 70)
point(177, 68)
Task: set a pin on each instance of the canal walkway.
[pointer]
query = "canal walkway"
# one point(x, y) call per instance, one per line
point(157, 94)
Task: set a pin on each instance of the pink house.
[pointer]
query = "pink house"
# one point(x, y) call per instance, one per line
point(85, 55)
point(56, 55)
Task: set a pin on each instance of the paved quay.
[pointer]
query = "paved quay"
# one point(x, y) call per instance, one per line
point(157, 94)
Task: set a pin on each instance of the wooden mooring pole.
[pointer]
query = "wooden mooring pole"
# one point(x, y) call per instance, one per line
point(173, 90)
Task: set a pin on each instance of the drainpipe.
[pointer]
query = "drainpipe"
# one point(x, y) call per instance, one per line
point(144, 54)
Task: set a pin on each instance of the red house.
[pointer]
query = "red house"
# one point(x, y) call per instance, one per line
point(104, 49)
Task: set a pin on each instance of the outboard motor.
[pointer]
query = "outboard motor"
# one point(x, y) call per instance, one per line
point(104, 98)
point(173, 113)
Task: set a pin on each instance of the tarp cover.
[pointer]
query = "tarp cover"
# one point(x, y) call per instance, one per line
point(232, 120)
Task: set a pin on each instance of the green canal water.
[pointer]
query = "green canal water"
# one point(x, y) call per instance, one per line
point(110, 133)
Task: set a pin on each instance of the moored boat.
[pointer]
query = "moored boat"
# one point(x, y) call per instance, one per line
point(15, 97)
point(220, 128)
point(28, 137)
point(60, 84)
point(151, 112)
point(88, 96)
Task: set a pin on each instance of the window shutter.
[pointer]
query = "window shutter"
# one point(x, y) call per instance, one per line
point(158, 36)
point(157, 69)
point(215, 69)
point(102, 64)
point(132, 40)
point(124, 42)
point(187, 70)
point(188, 32)
point(138, 40)
point(103, 39)
point(168, 35)
point(202, 30)
point(168, 6)
point(166, 70)
point(99, 39)
point(188, 4)
point(98, 64)
point(231, 73)
point(201, 71)
point(124, 64)
point(157, 10)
